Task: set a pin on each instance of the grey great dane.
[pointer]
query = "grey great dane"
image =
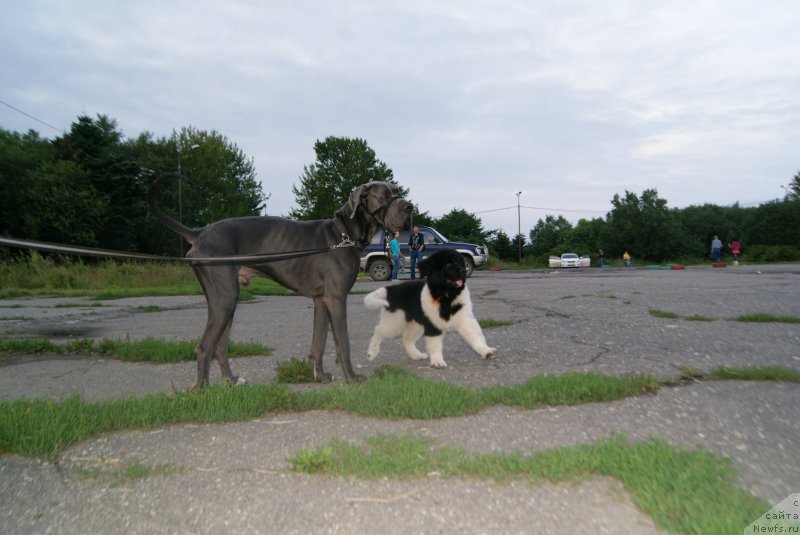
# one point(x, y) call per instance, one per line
point(325, 277)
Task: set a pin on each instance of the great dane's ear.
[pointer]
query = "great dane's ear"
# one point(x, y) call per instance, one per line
point(356, 197)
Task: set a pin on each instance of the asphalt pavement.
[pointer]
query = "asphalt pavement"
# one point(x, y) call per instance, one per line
point(235, 478)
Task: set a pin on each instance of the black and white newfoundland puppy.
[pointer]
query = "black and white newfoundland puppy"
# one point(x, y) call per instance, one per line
point(440, 303)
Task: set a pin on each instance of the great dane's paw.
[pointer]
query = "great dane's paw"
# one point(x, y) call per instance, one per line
point(438, 363)
point(234, 381)
point(490, 353)
point(322, 377)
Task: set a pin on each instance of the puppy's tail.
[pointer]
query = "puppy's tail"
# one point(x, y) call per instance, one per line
point(376, 300)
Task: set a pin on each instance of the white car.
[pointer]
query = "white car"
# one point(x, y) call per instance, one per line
point(568, 260)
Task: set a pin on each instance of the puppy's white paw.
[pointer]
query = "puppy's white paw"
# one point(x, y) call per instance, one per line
point(490, 353)
point(438, 363)
point(418, 356)
point(373, 351)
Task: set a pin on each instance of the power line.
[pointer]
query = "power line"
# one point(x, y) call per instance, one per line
point(28, 115)
point(543, 208)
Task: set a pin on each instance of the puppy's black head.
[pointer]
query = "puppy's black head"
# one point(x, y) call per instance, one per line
point(445, 270)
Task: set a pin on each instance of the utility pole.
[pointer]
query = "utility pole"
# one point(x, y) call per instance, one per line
point(519, 232)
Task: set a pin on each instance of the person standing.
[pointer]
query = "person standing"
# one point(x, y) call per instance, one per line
point(601, 257)
point(716, 248)
point(416, 242)
point(394, 246)
point(626, 259)
point(736, 250)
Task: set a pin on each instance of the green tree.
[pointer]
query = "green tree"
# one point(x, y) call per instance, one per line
point(95, 147)
point(793, 189)
point(645, 227)
point(585, 237)
point(774, 223)
point(223, 180)
point(500, 245)
point(342, 164)
point(62, 205)
point(460, 225)
point(20, 155)
point(550, 235)
point(702, 223)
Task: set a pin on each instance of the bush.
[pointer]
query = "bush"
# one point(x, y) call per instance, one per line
point(773, 253)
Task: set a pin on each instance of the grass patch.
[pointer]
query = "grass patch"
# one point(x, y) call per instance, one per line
point(145, 350)
point(755, 373)
point(42, 428)
point(690, 491)
point(79, 305)
point(16, 318)
point(767, 318)
point(490, 323)
point(129, 473)
point(294, 371)
point(149, 308)
point(697, 317)
point(663, 314)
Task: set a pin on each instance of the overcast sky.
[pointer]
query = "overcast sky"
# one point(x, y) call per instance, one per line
point(467, 102)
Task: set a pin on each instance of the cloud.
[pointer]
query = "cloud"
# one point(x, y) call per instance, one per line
point(468, 102)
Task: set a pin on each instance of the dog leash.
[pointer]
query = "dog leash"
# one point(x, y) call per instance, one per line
point(213, 260)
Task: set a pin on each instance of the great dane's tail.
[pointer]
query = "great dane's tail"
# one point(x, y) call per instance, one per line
point(188, 234)
point(376, 300)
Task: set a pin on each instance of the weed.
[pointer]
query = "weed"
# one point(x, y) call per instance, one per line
point(128, 474)
point(663, 314)
point(145, 350)
point(767, 318)
point(698, 318)
point(295, 371)
point(755, 373)
point(490, 323)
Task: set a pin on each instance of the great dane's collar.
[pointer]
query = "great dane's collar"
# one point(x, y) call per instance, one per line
point(377, 215)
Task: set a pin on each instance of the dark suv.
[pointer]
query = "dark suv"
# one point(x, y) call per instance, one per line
point(376, 260)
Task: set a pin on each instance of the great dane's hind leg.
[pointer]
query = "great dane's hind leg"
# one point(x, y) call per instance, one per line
point(221, 353)
point(222, 290)
point(318, 339)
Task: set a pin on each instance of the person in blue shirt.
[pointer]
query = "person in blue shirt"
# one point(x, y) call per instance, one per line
point(394, 246)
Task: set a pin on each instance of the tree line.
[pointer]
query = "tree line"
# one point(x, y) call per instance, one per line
point(88, 187)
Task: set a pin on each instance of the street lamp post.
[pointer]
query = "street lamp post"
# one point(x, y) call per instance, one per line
point(519, 231)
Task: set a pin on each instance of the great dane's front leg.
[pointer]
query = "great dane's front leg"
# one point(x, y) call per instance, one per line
point(337, 311)
point(318, 339)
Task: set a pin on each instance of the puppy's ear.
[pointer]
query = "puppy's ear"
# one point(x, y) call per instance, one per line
point(356, 197)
